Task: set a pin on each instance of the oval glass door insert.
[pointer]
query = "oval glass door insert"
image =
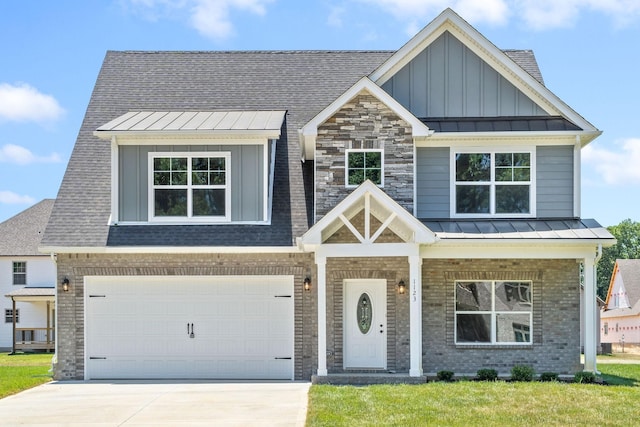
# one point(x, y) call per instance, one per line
point(364, 313)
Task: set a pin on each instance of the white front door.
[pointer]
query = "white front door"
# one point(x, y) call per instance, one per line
point(365, 324)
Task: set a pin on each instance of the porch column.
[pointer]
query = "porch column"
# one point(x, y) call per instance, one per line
point(321, 264)
point(590, 308)
point(13, 329)
point(415, 315)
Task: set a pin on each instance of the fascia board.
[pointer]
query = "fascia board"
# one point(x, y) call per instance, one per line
point(168, 249)
point(487, 51)
point(310, 130)
point(540, 137)
point(524, 249)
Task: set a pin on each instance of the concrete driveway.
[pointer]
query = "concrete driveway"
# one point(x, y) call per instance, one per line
point(153, 403)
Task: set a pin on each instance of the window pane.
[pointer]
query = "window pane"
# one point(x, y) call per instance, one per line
point(513, 296)
point(512, 327)
point(504, 159)
point(216, 163)
point(512, 199)
point(473, 296)
point(472, 198)
point(522, 174)
point(473, 328)
point(504, 174)
point(217, 178)
point(209, 202)
point(178, 178)
point(356, 176)
point(170, 202)
point(179, 164)
point(373, 175)
point(522, 159)
point(373, 159)
point(200, 163)
point(161, 164)
point(473, 167)
point(161, 178)
point(200, 178)
point(356, 160)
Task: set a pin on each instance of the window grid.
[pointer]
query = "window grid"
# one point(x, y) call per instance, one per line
point(8, 315)
point(363, 164)
point(19, 273)
point(520, 290)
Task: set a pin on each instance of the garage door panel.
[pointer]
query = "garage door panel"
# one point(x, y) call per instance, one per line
point(139, 327)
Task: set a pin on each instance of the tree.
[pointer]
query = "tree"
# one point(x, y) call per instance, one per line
point(628, 247)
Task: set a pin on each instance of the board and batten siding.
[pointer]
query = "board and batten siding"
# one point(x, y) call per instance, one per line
point(432, 181)
point(554, 185)
point(449, 80)
point(247, 179)
point(554, 174)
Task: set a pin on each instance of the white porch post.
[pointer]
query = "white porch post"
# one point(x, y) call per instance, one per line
point(321, 263)
point(415, 315)
point(590, 307)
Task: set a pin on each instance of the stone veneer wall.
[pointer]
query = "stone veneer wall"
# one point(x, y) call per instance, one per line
point(392, 270)
point(363, 123)
point(70, 325)
point(556, 316)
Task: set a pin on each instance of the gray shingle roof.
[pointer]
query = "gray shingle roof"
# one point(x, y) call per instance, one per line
point(300, 82)
point(527, 60)
point(21, 234)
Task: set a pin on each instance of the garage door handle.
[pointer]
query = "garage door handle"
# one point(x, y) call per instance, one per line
point(283, 358)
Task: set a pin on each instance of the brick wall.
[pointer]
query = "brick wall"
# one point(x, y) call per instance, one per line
point(363, 123)
point(70, 326)
point(556, 316)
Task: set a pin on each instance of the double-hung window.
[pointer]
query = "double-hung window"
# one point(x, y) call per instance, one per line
point(19, 273)
point(493, 183)
point(189, 186)
point(493, 312)
point(362, 165)
point(8, 315)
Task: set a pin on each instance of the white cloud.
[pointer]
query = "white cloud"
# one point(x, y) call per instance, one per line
point(335, 16)
point(25, 103)
point(616, 167)
point(211, 18)
point(536, 14)
point(10, 153)
point(11, 198)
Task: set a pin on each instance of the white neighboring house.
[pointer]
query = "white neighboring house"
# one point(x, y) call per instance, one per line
point(620, 324)
point(27, 282)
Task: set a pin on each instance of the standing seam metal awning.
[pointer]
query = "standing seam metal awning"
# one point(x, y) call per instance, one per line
point(264, 123)
point(33, 294)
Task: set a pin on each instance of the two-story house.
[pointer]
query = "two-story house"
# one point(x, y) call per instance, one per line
point(27, 282)
point(289, 214)
point(620, 318)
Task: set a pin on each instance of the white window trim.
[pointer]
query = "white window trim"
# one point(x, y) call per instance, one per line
point(13, 273)
point(494, 342)
point(362, 150)
point(189, 218)
point(492, 183)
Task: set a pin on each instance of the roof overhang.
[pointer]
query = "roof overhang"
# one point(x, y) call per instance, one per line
point(309, 132)
point(154, 124)
point(33, 294)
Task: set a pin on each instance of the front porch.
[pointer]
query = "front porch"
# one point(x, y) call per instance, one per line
point(34, 339)
point(41, 336)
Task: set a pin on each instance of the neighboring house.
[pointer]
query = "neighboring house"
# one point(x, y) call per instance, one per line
point(27, 282)
point(620, 324)
point(325, 213)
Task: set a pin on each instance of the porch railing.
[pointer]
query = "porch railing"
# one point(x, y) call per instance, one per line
point(35, 339)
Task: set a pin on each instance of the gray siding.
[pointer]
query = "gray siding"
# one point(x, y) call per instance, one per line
point(247, 184)
point(448, 80)
point(554, 170)
point(432, 182)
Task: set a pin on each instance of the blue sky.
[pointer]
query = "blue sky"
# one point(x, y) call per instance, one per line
point(51, 52)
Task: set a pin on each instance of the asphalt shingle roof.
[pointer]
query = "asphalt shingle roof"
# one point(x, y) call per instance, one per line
point(21, 234)
point(629, 270)
point(301, 82)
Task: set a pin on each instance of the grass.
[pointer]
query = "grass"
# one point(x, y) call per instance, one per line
point(466, 403)
point(22, 371)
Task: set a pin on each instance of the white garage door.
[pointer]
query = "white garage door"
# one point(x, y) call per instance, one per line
point(222, 327)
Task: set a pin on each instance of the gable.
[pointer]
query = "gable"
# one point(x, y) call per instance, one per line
point(447, 79)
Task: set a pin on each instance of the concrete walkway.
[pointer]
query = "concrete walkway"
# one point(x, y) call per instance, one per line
point(153, 403)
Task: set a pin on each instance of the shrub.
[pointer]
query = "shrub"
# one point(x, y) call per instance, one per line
point(487, 374)
point(584, 378)
point(445, 376)
point(548, 376)
point(522, 373)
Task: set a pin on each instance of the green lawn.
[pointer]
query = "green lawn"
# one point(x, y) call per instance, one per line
point(482, 404)
point(22, 371)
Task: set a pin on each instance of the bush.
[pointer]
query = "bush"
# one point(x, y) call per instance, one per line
point(487, 374)
point(548, 376)
point(445, 376)
point(584, 378)
point(522, 373)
